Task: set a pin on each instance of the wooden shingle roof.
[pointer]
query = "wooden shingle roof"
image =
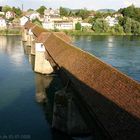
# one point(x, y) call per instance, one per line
point(29, 25)
point(110, 94)
point(38, 30)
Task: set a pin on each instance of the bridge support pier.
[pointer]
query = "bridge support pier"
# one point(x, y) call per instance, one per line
point(42, 65)
point(66, 116)
point(33, 47)
point(24, 35)
point(29, 38)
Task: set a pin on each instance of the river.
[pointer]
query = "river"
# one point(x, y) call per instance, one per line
point(122, 52)
point(21, 116)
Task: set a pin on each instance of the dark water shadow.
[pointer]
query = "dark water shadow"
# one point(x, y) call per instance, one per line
point(102, 115)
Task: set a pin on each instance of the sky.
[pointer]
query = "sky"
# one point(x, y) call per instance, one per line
point(73, 4)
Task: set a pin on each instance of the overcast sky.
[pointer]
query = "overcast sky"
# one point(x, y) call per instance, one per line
point(73, 4)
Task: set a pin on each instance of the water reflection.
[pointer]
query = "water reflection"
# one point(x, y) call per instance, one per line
point(58, 106)
point(42, 83)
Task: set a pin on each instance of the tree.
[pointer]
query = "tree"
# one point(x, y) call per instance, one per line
point(127, 25)
point(17, 11)
point(131, 12)
point(84, 13)
point(30, 10)
point(37, 22)
point(118, 29)
point(78, 26)
point(100, 26)
point(63, 12)
point(98, 15)
point(6, 8)
point(135, 28)
point(1, 15)
point(41, 10)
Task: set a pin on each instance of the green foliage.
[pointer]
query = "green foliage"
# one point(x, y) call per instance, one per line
point(10, 19)
point(83, 13)
point(6, 8)
point(100, 26)
point(17, 11)
point(127, 25)
point(99, 15)
point(78, 26)
point(10, 32)
point(1, 15)
point(118, 29)
point(135, 28)
point(30, 10)
point(63, 12)
point(130, 26)
point(37, 22)
point(41, 10)
point(131, 12)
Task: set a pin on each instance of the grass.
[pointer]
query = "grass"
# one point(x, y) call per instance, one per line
point(15, 31)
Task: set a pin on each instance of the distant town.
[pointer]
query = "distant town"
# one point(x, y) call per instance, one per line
point(108, 21)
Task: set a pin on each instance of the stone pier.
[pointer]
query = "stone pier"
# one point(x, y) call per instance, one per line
point(41, 64)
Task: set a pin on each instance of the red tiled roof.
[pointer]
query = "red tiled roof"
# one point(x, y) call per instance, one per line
point(63, 36)
point(112, 96)
point(42, 37)
point(38, 30)
point(28, 25)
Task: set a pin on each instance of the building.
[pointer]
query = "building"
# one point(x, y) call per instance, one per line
point(60, 25)
point(86, 25)
point(23, 20)
point(64, 25)
point(52, 20)
point(2, 23)
point(51, 12)
point(112, 21)
point(2, 13)
point(32, 15)
point(9, 14)
point(48, 25)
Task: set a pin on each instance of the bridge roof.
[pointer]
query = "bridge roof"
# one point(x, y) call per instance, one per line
point(44, 36)
point(110, 94)
point(63, 36)
point(38, 30)
point(29, 25)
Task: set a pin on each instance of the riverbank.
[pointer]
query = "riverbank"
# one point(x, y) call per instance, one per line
point(89, 33)
point(13, 31)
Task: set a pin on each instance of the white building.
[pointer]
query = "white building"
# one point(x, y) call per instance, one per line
point(60, 25)
point(48, 25)
point(2, 23)
point(9, 14)
point(52, 20)
point(64, 25)
point(34, 15)
point(23, 20)
point(84, 24)
point(50, 12)
point(2, 13)
point(112, 21)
